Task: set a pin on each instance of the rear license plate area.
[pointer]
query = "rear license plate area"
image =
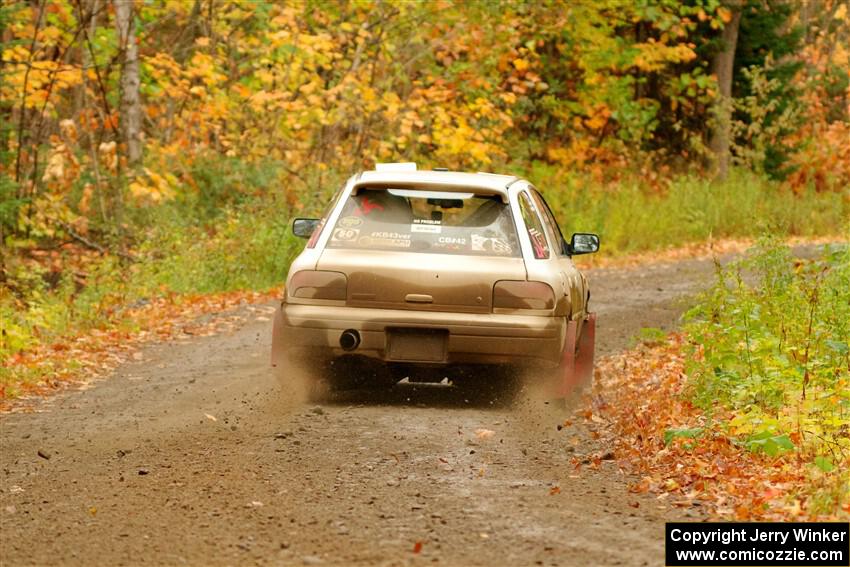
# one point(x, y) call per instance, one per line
point(417, 345)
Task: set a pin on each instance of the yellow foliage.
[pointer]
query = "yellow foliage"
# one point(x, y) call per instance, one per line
point(153, 188)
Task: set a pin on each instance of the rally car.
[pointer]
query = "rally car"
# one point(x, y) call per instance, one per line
point(414, 273)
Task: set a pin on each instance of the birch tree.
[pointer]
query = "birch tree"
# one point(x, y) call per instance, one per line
point(130, 108)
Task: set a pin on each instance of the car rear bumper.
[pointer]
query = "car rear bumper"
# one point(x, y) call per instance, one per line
point(469, 338)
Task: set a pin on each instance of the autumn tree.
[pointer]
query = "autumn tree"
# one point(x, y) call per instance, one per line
point(131, 112)
point(723, 66)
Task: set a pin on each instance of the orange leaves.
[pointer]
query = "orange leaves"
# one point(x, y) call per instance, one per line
point(725, 14)
point(826, 164)
point(642, 393)
point(520, 64)
point(598, 117)
point(77, 358)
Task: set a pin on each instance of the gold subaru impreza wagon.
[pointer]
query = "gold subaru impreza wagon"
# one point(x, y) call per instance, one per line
point(415, 274)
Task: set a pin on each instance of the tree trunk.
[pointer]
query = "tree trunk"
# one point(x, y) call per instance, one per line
point(723, 66)
point(130, 109)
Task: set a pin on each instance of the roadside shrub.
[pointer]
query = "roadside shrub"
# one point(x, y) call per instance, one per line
point(771, 357)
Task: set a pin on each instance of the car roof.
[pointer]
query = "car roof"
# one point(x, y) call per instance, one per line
point(438, 180)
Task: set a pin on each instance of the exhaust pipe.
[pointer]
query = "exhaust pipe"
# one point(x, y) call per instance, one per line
point(349, 340)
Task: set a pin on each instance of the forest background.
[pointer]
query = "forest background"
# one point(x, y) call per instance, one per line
point(155, 150)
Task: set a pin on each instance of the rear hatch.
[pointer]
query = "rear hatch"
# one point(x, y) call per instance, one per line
point(424, 250)
point(426, 282)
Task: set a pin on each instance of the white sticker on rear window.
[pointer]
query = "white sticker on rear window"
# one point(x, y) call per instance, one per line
point(346, 234)
point(350, 222)
point(379, 241)
point(429, 228)
point(489, 244)
point(386, 234)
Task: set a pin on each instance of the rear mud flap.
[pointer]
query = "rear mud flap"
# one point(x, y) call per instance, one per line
point(576, 367)
point(586, 352)
point(279, 354)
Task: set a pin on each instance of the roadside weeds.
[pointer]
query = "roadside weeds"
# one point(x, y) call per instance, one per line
point(675, 451)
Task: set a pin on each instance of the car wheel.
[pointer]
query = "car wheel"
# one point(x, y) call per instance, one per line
point(575, 370)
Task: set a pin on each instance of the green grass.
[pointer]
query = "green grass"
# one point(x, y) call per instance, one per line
point(630, 219)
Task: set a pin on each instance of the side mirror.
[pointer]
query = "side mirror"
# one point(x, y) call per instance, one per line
point(584, 243)
point(304, 228)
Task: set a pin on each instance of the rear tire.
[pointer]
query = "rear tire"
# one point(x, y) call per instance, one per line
point(575, 370)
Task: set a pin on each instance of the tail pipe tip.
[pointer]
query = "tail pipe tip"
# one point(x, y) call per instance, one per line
point(349, 339)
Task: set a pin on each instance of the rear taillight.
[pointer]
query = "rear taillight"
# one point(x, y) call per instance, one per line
point(314, 284)
point(523, 295)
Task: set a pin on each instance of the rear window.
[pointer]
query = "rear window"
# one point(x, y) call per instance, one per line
point(437, 222)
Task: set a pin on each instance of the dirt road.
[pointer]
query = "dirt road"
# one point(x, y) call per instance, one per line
point(192, 455)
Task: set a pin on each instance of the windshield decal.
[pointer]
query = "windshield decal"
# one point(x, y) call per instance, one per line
point(365, 206)
point(349, 222)
point(345, 234)
point(490, 244)
point(426, 226)
point(381, 241)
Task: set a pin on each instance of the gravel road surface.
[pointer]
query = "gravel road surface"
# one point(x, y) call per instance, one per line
point(193, 455)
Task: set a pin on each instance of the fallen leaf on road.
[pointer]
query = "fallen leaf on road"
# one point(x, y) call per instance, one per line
point(97, 352)
point(417, 547)
point(554, 490)
point(484, 433)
